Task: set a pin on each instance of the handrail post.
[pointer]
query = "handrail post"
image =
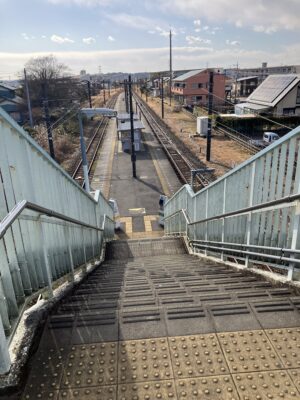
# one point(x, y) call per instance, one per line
point(249, 218)
point(206, 215)
point(5, 361)
point(295, 238)
point(223, 219)
point(84, 267)
point(68, 234)
point(47, 268)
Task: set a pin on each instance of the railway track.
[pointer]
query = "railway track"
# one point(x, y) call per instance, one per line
point(241, 139)
point(238, 137)
point(179, 156)
point(94, 145)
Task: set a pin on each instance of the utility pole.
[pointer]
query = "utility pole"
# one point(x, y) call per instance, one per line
point(162, 98)
point(104, 99)
point(47, 120)
point(171, 73)
point(210, 109)
point(126, 96)
point(236, 78)
point(83, 155)
point(28, 99)
point(89, 92)
point(133, 155)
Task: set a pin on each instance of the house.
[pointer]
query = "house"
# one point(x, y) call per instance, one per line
point(243, 87)
point(191, 88)
point(156, 88)
point(10, 102)
point(277, 95)
point(124, 131)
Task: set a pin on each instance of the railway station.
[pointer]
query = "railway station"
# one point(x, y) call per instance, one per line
point(205, 305)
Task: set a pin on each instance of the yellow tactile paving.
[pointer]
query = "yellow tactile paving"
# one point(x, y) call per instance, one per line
point(95, 393)
point(91, 365)
point(243, 365)
point(209, 388)
point(148, 222)
point(249, 351)
point(148, 391)
point(144, 360)
point(265, 386)
point(128, 223)
point(287, 344)
point(197, 355)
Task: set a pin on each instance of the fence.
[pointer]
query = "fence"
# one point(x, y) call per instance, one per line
point(251, 214)
point(49, 224)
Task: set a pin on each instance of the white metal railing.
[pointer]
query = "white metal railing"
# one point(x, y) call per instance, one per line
point(57, 228)
point(251, 214)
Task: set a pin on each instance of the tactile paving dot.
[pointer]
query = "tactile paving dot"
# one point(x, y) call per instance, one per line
point(249, 351)
point(35, 393)
point(91, 365)
point(147, 391)
point(295, 374)
point(265, 386)
point(197, 355)
point(287, 344)
point(93, 393)
point(208, 388)
point(144, 360)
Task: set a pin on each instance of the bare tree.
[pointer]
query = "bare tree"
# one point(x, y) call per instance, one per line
point(45, 69)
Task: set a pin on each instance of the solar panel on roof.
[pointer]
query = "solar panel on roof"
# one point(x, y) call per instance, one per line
point(271, 88)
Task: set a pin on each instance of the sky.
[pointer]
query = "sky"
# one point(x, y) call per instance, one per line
point(132, 35)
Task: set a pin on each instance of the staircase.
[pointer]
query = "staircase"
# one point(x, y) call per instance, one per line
point(153, 322)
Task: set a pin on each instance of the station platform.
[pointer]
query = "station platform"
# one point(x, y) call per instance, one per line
point(137, 198)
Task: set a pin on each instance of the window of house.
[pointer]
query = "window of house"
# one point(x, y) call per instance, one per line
point(298, 95)
point(194, 85)
point(200, 85)
point(288, 111)
point(198, 98)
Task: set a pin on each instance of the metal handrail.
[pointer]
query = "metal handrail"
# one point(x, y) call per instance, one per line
point(250, 246)
point(249, 253)
point(286, 199)
point(24, 204)
point(183, 211)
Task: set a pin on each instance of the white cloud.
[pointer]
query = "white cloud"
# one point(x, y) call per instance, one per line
point(197, 30)
point(265, 29)
point(233, 42)
point(197, 22)
point(60, 39)
point(196, 39)
point(83, 3)
point(111, 39)
point(151, 32)
point(25, 36)
point(279, 14)
point(163, 32)
point(155, 59)
point(133, 21)
point(89, 40)
point(43, 37)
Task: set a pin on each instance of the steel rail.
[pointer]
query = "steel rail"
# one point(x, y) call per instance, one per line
point(102, 125)
point(180, 163)
point(240, 139)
